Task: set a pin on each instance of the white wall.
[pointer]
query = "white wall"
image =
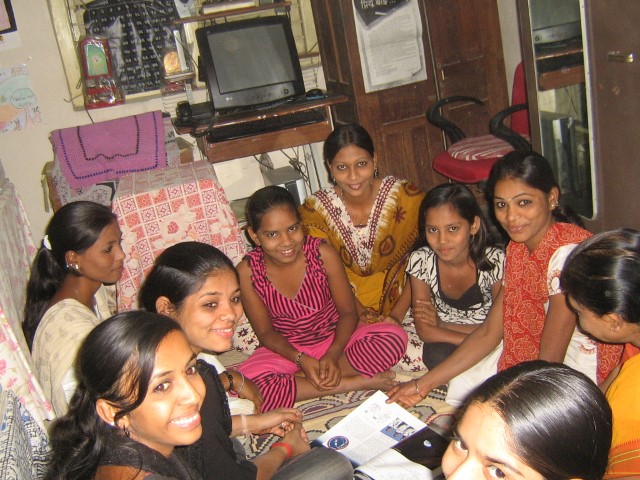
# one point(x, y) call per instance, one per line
point(510, 38)
point(23, 153)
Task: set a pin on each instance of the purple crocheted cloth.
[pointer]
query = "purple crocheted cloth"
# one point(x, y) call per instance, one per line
point(105, 151)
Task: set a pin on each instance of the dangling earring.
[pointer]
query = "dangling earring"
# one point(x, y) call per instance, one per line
point(333, 180)
point(375, 172)
point(126, 431)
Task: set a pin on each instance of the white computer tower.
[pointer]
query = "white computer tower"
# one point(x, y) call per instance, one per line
point(288, 178)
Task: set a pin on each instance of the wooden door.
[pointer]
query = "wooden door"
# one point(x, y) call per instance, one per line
point(466, 59)
point(613, 42)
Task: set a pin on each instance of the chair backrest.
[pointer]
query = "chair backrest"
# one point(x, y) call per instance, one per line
point(520, 119)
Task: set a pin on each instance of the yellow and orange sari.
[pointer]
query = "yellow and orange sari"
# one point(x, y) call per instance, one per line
point(623, 395)
point(375, 255)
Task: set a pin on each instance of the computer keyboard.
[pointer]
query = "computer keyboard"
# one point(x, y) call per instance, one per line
point(270, 124)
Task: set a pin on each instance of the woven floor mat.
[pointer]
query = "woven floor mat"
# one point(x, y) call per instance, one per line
point(320, 414)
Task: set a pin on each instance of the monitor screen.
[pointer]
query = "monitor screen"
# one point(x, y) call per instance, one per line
point(250, 62)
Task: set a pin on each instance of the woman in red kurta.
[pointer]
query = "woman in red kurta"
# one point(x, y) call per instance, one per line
point(530, 314)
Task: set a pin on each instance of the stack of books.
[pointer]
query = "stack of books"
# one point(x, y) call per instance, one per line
point(213, 6)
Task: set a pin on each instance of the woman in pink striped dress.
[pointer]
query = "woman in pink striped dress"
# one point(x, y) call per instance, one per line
point(297, 297)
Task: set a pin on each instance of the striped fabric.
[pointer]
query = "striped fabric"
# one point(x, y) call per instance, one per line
point(311, 316)
point(308, 322)
point(478, 148)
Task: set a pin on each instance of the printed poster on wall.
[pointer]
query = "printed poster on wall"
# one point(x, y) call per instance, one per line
point(18, 105)
point(390, 43)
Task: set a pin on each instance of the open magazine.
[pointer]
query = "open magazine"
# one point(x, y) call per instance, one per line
point(385, 441)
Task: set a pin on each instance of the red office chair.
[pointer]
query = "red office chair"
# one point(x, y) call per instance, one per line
point(469, 160)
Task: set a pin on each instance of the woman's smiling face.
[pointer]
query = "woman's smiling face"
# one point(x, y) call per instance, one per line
point(169, 416)
point(209, 316)
point(523, 211)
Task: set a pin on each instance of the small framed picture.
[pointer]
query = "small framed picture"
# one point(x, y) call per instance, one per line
point(7, 19)
point(96, 58)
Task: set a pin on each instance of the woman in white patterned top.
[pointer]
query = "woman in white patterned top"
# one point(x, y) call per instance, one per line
point(454, 275)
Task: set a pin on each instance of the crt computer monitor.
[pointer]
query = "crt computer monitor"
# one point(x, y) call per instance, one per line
point(250, 62)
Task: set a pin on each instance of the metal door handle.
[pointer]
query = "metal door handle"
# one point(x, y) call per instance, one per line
point(622, 57)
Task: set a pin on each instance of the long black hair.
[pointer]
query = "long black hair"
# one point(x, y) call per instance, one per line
point(533, 170)
point(180, 271)
point(462, 201)
point(75, 227)
point(559, 421)
point(602, 274)
point(115, 363)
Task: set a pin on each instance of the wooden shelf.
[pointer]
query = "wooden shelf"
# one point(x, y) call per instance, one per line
point(269, 141)
point(232, 12)
point(563, 75)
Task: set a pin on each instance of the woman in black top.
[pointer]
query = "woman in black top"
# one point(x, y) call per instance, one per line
point(139, 396)
point(196, 284)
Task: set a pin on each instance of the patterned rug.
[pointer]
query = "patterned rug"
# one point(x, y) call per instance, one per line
point(322, 413)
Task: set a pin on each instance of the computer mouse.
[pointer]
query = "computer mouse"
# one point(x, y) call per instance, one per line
point(315, 93)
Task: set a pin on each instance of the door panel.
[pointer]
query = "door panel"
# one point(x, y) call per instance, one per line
point(470, 55)
point(612, 30)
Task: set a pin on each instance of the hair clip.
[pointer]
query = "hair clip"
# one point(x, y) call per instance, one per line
point(46, 243)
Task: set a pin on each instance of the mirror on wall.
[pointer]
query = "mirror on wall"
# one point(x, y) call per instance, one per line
point(555, 36)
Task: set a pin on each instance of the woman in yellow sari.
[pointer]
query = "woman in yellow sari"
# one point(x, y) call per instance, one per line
point(370, 221)
point(601, 280)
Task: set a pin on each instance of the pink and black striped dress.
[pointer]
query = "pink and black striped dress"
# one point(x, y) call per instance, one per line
point(308, 321)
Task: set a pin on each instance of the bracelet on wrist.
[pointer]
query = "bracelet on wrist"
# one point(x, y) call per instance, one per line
point(230, 377)
point(286, 446)
point(415, 380)
point(245, 429)
point(298, 358)
point(237, 392)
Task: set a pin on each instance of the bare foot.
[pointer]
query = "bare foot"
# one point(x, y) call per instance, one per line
point(381, 381)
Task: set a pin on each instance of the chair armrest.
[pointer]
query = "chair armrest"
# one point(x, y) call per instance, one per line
point(500, 130)
point(450, 129)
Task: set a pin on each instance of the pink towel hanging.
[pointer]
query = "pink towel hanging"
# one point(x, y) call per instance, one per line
point(105, 151)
